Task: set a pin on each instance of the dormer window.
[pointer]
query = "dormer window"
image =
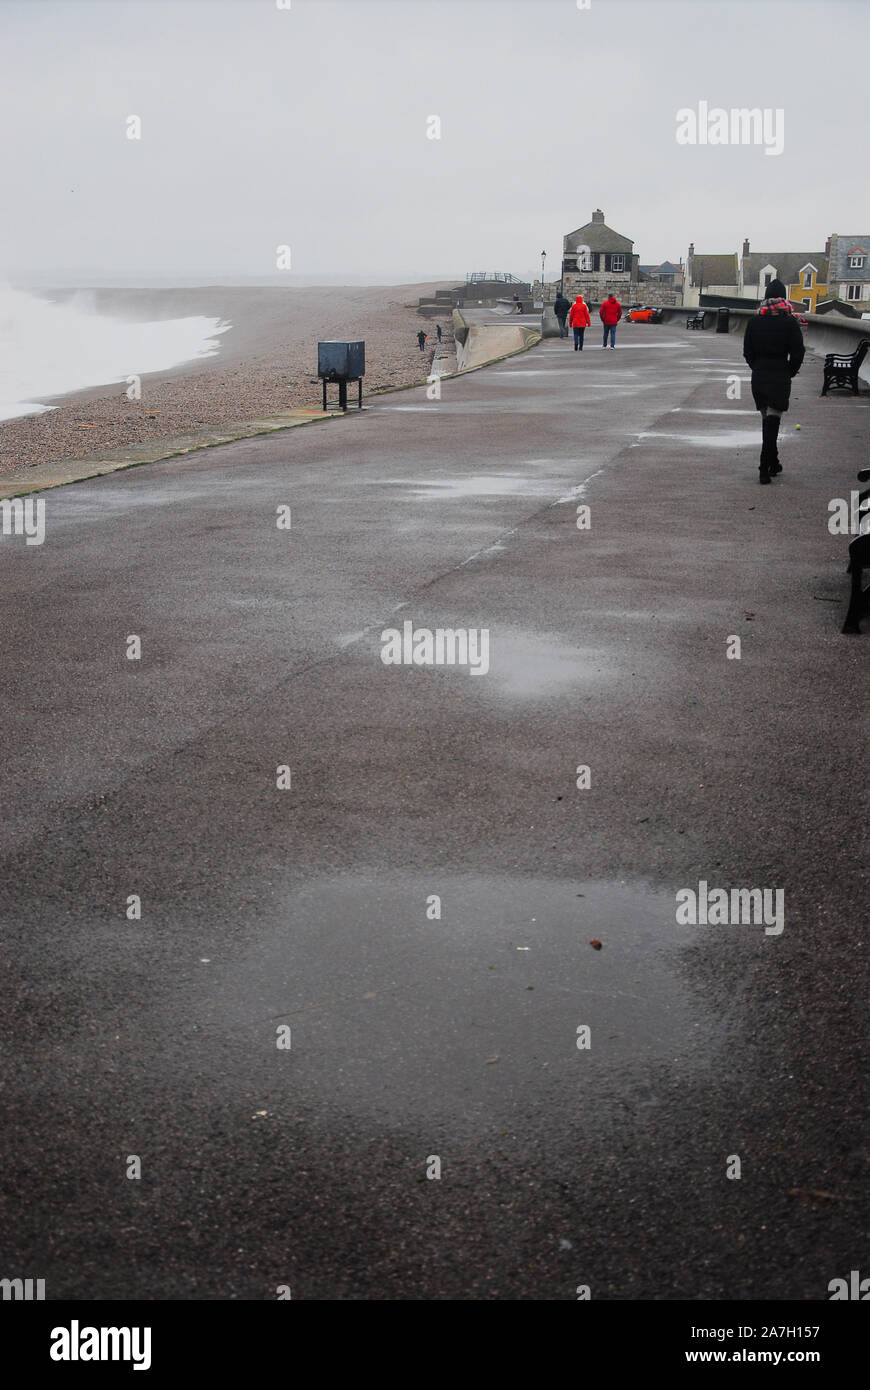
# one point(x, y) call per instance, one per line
point(808, 279)
point(856, 261)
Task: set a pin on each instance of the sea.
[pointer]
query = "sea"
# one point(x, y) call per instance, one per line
point(47, 349)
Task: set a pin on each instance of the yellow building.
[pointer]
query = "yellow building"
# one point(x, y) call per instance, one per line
point(804, 274)
point(808, 288)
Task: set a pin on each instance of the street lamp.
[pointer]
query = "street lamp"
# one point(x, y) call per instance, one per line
point(543, 295)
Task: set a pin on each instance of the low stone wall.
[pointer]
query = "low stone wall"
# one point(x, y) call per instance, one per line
point(551, 290)
point(595, 286)
point(659, 296)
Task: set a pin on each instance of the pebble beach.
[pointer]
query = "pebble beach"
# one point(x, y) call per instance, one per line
point(266, 362)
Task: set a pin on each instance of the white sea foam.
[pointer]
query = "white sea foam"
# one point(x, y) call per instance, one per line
point(48, 349)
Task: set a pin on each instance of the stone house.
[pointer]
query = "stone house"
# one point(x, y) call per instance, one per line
point(597, 261)
point(849, 272)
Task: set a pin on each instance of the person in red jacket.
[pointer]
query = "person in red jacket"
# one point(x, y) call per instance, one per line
point(610, 313)
point(579, 320)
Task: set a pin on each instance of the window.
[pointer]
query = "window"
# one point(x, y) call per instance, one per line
point(617, 262)
point(853, 291)
point(767, 280)
point(856, 262)
point(808, 304)
point(808, 279)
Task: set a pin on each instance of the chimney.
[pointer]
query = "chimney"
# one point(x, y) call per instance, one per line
point(828, 247)
point(746, 247)
point(598, 215)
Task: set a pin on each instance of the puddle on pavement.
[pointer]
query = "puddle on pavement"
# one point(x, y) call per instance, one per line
point(462, 485)
point(422, 526)
point(727, 439)
point(347, 639)
point(514, 665)
point(526, 666)
point(460, 407)
point(623, 384)
point(624, 342)
point(473, 1014)
point(578, 490)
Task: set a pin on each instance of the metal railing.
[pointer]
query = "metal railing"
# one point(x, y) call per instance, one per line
point(502, 277)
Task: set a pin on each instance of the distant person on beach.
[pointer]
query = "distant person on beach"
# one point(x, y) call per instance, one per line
point(438, 331)
point(561, 308)
point(421, 340)
point(773, 345)
point(610, 313)
point(579, 320)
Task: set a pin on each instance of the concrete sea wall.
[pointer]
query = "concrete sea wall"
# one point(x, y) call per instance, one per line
point(823, 333)
point(478, 344)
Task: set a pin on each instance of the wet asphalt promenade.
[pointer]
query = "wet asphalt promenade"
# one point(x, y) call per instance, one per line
point(414, 1037)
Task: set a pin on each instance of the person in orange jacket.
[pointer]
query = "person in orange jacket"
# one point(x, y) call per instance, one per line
point(610, 313)
point(579, 320)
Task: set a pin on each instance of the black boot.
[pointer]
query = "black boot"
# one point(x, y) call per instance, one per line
point(769, 455)
point(775, 466)
point(764, 460)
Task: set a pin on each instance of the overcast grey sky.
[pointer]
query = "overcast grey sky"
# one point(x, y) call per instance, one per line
point(308, 127)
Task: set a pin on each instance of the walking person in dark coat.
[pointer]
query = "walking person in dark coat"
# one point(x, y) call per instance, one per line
point(561, 309)
point(421, 340)
point(438, 331)
point(773, 346)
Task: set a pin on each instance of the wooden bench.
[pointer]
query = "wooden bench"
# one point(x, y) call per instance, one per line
point(696, 320)
point(859, 560)
point(841, 369)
